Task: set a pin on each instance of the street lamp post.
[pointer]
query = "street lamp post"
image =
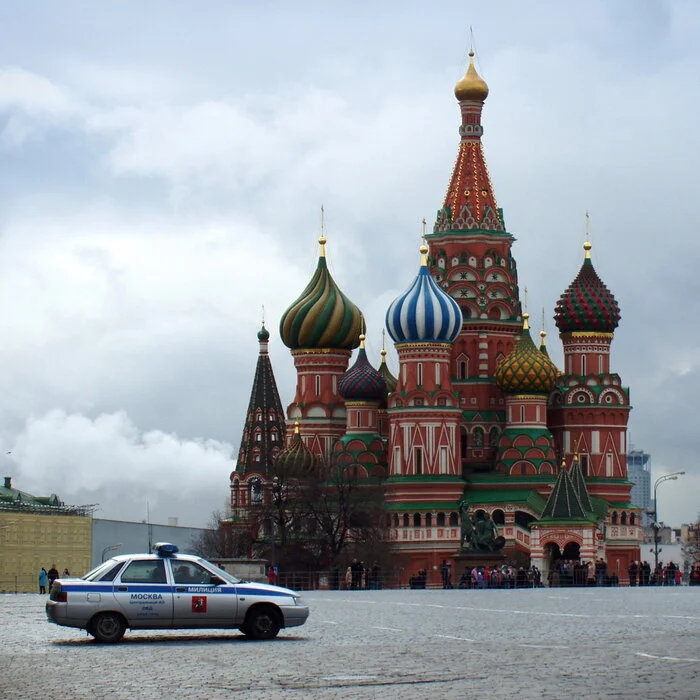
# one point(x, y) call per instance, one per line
point(109, 549)
point(660, 480)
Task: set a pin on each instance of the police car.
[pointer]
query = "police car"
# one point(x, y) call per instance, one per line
point(167, 590)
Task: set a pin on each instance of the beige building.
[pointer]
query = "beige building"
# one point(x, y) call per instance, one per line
point(38, 531)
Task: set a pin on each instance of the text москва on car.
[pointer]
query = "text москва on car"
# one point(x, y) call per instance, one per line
point(167, 590)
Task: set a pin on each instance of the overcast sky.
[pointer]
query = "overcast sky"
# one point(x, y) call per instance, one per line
point(162, 165)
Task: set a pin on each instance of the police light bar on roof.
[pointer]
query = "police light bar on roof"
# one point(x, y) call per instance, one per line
point(165, 549)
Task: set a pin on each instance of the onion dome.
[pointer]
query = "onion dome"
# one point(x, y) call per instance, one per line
point(386, 374)
point(424, 313)
point(526, 370)
point(322, 316)
point(263, 334)
point(296, 460)
point(587, 305)
point(472, 86)
point(362, 382)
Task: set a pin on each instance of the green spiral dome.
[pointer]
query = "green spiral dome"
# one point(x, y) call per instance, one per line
point(296, 460)
point(526, 370)
point(322, 316)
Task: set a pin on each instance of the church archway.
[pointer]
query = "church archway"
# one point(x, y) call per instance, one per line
point(572, 551)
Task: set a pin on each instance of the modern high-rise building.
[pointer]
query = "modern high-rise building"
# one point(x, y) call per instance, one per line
point(639, 473)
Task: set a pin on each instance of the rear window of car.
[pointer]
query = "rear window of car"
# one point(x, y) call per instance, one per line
point(104, 569)
point(111, 572)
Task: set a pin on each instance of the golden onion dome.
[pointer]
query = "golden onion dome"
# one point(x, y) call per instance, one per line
point(472, 86)
point(526, 370)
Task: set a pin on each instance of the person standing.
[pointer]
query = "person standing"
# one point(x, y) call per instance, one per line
point(53, 575)
point(43, 580)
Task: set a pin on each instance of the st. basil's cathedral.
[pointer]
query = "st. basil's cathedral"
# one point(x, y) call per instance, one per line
point(477, 418)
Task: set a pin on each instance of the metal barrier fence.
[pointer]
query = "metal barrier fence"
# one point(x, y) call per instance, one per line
point(335, 580)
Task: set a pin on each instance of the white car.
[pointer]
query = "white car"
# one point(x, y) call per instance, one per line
point(167, 590)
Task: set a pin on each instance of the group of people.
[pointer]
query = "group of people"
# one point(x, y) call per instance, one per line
point(568, 572)
point(358, 577)
point(46, 578)
point(501, 576)
point(641, 574)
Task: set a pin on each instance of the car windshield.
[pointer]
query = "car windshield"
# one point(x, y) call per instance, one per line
point(219, 571)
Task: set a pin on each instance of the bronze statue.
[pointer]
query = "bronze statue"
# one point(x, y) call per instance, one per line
point(479, 534)
point(467, 530)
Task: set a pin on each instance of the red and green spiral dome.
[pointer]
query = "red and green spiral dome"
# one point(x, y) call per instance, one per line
point(587, 305)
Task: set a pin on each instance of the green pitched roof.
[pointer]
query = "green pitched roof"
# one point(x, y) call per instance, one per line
point(528, 497)
point(564, 502)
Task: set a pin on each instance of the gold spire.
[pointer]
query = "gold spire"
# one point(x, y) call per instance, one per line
point(587, 244)
point(526, 325)
point(322, 239)
point(296, 427)
point(472, 86)
point(424, 255)
point(362, 341)
point(383, 350)
point(543, 335)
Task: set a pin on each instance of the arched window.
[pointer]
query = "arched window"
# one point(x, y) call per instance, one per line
point(428, 519)
point(463, 369)
point(632, 519)
point(454, 519)
point(464, 436)
point(614, 518)
point(318, 385)
point(406, 520)
point(235, 494)
point(623, 519)
point(498, 517)
point(419, 373)
point(493, 437)
point(416, 520)
point(441, 520)
point(583, 364)
point(256, 494)
point(478, 434)
point(418, 460)
point(396, 520)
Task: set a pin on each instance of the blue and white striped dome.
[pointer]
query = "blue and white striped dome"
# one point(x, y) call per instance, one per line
point(424, 313)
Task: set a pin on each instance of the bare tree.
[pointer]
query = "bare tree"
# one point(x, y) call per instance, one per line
point(212, 542)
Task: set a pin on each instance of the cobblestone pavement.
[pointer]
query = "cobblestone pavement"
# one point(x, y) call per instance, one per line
point(592, 643)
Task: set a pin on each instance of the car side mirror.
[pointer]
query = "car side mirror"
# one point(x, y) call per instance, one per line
point(216, 581)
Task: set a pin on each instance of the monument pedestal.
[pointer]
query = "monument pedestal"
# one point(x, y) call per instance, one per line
point(470, 559)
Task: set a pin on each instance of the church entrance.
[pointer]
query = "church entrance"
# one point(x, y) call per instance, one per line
point(571, 551)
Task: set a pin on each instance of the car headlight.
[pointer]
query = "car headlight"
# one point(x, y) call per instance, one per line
point(297, 600)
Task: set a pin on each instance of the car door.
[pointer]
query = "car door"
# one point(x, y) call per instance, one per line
point(201, 598)
point(144, 595)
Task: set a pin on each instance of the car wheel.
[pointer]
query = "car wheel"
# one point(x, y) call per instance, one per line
point(262, 623)
point(107, 628)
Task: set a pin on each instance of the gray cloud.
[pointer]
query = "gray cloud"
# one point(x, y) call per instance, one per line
point(155, 192)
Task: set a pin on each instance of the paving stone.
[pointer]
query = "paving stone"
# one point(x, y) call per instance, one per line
point(593, 643)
